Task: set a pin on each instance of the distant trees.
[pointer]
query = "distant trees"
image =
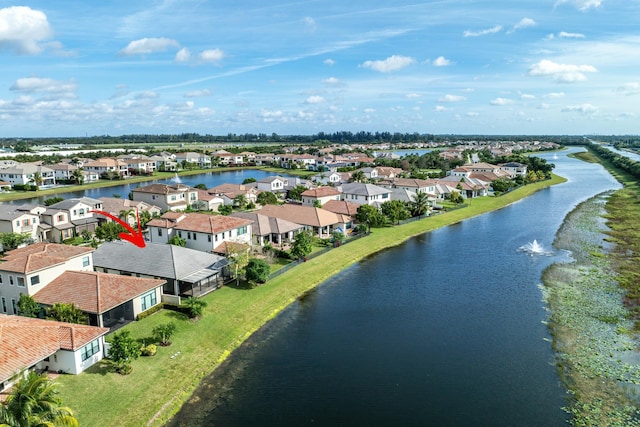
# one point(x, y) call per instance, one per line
point(53, 200)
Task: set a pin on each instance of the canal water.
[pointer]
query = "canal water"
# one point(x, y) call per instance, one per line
point(444, 330)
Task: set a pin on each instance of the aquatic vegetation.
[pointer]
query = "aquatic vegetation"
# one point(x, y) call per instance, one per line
point(590, 325)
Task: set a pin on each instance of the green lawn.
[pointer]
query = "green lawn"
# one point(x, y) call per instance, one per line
point(159, 385)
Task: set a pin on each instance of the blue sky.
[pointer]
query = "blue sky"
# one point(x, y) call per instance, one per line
point(71, 68)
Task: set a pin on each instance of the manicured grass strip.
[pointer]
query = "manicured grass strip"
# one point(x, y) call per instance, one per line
point(158, 386)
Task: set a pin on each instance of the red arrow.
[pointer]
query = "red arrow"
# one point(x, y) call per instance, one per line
point(132, 236)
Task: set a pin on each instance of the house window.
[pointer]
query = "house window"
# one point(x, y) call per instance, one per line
point(180, 234)
point(90, 349)
point(242, 230)
point(60, 218)
point(75, 212)
point(159, 231)
point(153, 197)
point(17, 223)
point(11, 280)
point(194, 236)
point(223, 235)
point(208, 238)
point(81, 211)
point(85, 261)
point(216, 237)
point(25, 222)
point(173, 198)
point(188, 235)
point(13, 305)
point(4, 305)
point(35, 280)
point(149, 300)
point(0, 279)
point(21, 282)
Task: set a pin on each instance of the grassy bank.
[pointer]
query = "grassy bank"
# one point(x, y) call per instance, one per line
point(159, 385)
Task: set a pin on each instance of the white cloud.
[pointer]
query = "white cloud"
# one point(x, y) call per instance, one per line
point(23, 29)
point(211, 55)
point(524, 23)
point(584, 109)
point(332, 81)
point(149, 45)
point(582, 5)
point(440, 108)
point(501, 101)
point(441, 61)
point(392, 63)
point(314, 99)
point(183, 55)
point(554, 95)
point(329, 62)
point(563, 73)
point(472, 114)
point(452, 98)
point(310, 23)
point(565, 35)
point(628, 89)
point(197, 93)
point(35, 84)
point(492, 30)
point(369, 110)
point(413, 96)
point(526, 96)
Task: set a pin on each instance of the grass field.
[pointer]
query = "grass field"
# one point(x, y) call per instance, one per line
point(158, 385)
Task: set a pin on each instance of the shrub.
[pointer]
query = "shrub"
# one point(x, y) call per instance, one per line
point(257, 270)
point(150, 311)
point(149, 350)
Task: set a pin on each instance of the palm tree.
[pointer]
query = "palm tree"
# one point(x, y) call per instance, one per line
point(126, 213)
point(34, 401)
point(78, 176)
point(37, 179)
point(358, 176)
point(420, 204)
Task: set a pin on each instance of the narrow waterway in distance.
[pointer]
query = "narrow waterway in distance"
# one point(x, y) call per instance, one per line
point(446, 329)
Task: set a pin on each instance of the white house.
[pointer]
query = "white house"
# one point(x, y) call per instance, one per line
point(79, 210)
point(321, 195)
point(107, 165)
point(14, 219)
point(25, 173)
point(167, 197)
point(362, 194)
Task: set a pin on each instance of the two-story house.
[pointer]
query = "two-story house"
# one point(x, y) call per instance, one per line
point(19, 219)
point(56, 225)
point(273, 184)
point(26, 173)
point(201, 160)
point(79, 212)
point(364, 194)
point(320, 195)
point(202, 232)
point(175, 197)
point(107, 165)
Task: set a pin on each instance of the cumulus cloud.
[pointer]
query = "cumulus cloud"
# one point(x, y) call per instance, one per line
point(309, 23)
point(501, 101)
point(183, 55)
point(314, 99)
point(211, 55)
point(628, 89)
point(563, 73)
point(333, 82)
point(329, 61)
point(524, 23)
point(581, 5)
point(23, 29)
point(565, 35)
point(583, 109)
point(492, 30)
point(36, 84)
point(441, 61)
point(452, 98)
point(526, 96)
point(149, 45)
point(392, 63)
point(440, 108)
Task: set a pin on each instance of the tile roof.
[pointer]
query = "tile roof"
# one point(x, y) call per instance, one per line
point(163, 189)
point(321, 192)
point(155, 260)
point(40, 255)
point(25, 341)
point(201, 223)
point(305, 215)
point(70, 203)
point(264, 225)
point(94, 292)
point(363, 189)
point(341, 207)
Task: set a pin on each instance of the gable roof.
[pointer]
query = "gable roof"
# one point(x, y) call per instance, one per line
point(25, 341)
point(70, 203)
point(264, 225)
point(201, 223)
point(341, 207)
point(155, 260)
point(94, 292)
point(361, 189)
point(321, 192)
point(163, 189)
point(114, 205)
point(40, 255)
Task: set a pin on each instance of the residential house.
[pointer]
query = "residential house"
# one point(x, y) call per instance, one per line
point(327, 178)
point(228, 192)
point(14, 219)
point(270, 230)
point(106, 299)
point(360, 193)
point(56, 226)
point(200, 160)
point(141, 165)
point(117, 207)
point(29, 269)
point(227, 159)
point(273, 184)
point(187, 272)
point(514, 169)
point(106, 165)
point(208, 202)
point(319, 221)
point(202, 232)
point(264, 159)
point(167, 197)
point(47, 345)
point(80, 215)
point(466, 186)
point(341, 207)
point(26, 173)
point(320, 195)
point(385, 172)
point(63, 171)
point(248, 157)
point(165, 161)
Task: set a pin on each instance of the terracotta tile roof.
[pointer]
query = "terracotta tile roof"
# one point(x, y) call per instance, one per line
point(264, 225)
point(25, 341)
point(163, 189)
point(305, 215)
point(40, 255)
point(227, 248)
point(341, 207)
point(94, 292)
point(203, 223)
point(321, 192)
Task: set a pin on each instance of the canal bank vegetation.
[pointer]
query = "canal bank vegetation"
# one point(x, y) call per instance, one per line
point(158, 386)
point(594, 304)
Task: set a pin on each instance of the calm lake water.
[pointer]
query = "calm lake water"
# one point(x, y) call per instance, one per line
point(445, 329)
